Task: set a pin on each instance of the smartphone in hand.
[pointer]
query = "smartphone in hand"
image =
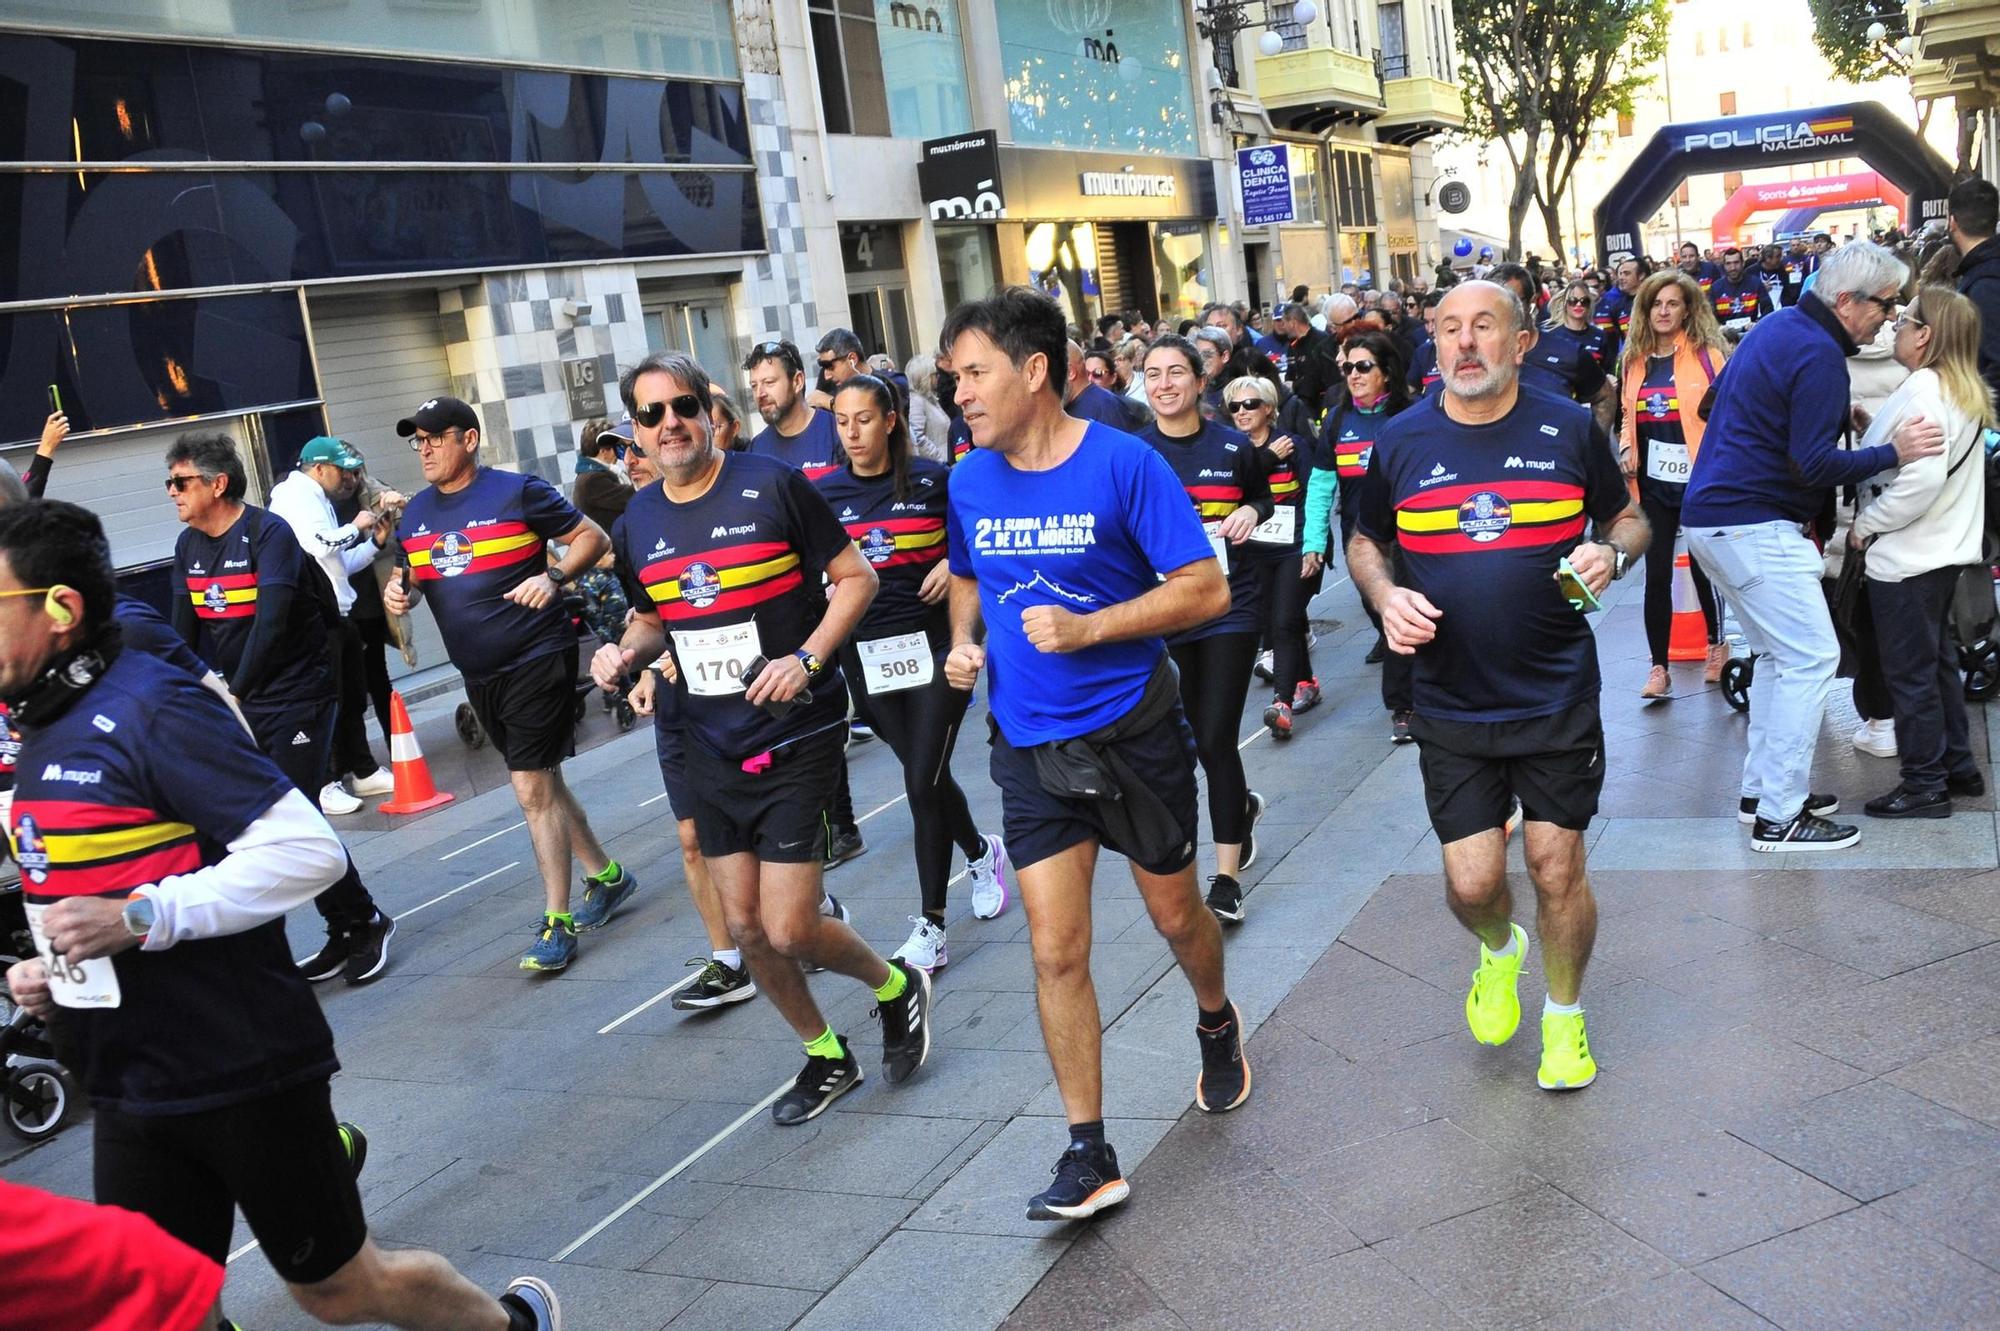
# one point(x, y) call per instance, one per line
point(773, 706)
point(1574, 591)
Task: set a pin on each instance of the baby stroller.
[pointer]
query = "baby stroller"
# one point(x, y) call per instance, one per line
point(37, 1092)
point(597, 610)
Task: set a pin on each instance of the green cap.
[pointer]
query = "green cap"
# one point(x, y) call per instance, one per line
point(325, 448)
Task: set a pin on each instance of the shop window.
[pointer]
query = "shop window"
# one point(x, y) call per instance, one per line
point(1307, 202)
point(1180, 257)
point(923, 67)
point(1095, 76)
point(968, 262)
point(1354, 189)
point(1731, 182)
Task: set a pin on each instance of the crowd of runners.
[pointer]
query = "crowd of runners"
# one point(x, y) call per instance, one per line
point(1112, 574)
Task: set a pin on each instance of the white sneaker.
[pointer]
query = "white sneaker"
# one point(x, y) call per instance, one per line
point(1877, 738)
point(925, 947)
point(377, 782)
point(1263, 667)
point(334, 800)
point(989, 879)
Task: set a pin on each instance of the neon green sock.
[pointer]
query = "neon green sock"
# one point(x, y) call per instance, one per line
point(894, 986)
point(564, 918)
point(826, 1046)
point(609, 874)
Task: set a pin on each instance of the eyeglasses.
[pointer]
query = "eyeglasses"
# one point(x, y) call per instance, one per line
point(1099, 375)
point(1578, 302)
point(1886, 306)
point(422, 442)
point(1910, 321)
point(686, 406)
point(176, 484)
point(1356, 367)
point(1246, 404)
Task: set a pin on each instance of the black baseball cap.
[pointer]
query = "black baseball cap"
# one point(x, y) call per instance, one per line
point(436, 416)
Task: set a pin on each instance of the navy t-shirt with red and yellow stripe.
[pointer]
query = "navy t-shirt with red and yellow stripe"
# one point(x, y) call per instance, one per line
point(469, 548)
point(815, 450)
point(749, 551)
point(1221, 470)
point(221, 575)
point(902, 540)
point(146, 776)
point(1482, 514)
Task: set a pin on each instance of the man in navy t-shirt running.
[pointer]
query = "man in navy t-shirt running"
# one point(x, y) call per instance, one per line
point(1486, 489)
point(1073, 554)
point(475, 545)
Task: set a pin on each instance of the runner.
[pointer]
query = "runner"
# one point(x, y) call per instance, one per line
point(160, 852)
point(1072, 545)
point(1558, 365)
point(249, 604)
point(1273, 551)
point(476, 544)
point(727, 549)
point(1573, 325)
point(1738, 293)
point(1613, 314)
point(803, 436)
point(1373, 390)
point(1229, 484)
point(1486, 491)
point(893, 504)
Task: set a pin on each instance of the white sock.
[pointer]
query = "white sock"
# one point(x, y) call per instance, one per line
point(1551, 1008)
point(729, 956)
point(1513, 946)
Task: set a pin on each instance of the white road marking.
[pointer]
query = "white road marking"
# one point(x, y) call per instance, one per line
point(482, 841)
point(667, 992)
point(673, 1173)
point(880, 808)
point(251, 1245)
point(460, 888)
point(655, 800)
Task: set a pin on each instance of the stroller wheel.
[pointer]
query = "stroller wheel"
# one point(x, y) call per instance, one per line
point(469, 728)
point(38, 1101)
point(1736, 676)
point(1981, 663)
point(627, 718)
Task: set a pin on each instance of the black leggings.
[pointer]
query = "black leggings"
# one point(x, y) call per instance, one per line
point(375, 666)
point(1285, 596)
point(1215, 679)
point(921, 727)
point(1665, 517)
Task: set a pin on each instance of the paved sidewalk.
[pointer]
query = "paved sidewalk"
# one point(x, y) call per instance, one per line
point(1798, 1118)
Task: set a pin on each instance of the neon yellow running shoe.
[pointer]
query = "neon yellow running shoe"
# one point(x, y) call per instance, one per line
point(1566, 1061)
point(1493, 1008)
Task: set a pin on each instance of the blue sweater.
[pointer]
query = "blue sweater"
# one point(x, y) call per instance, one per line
point(1771, 452)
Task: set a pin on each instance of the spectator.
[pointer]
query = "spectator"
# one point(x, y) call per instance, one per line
point(723, 414)
point(1338, 311)
point(1110, 330)
point(1673, 354)
point(1767, 462)
point(601, 491)
point(1310, 357)
point(1919, 526)
point(840, 359)
point(1131, 382)
point(1973, 216)
point(1101, 366)
point(929, 426)
point(1215, 348)
point(1407, 331)
point(1091, 402)
point(376, 628)
point(54, 430)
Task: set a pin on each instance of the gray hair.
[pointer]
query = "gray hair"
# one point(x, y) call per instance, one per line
point(213, 454)
point(1261, 388)
point(922, 374)
point(1215, 337)
point(678, 364)
point(1338, 308)
point(13, 490)
point(1859, 269)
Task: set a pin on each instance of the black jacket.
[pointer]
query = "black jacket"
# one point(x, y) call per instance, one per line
point(1979, 279)
point(1312, 365)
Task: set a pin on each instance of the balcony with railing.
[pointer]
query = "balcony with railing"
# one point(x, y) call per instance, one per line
point(1958, 49)
point(1419, 98)
point(1314, 81)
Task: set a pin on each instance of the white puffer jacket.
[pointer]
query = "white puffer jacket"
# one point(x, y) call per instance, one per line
point(1920, 519)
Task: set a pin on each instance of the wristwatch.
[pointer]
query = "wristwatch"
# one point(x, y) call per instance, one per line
point(812, 663)
point(557, 576)
point(140, 915)
point(1619, 559)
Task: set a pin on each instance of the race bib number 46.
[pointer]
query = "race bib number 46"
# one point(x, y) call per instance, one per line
point(712, 661)
point(74, 984)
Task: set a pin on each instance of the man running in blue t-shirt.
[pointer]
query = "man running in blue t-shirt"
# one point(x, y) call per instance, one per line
point(1485, 489)
point(1074, 553)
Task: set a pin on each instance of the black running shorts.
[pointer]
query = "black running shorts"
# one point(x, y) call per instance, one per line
point(279, 1158)
point(778, 814)
point(1474, 770)
point(670, 746)
point(1037, 824)
point(529, 712)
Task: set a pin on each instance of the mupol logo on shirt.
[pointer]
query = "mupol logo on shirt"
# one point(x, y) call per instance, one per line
point(742, 529)
point(451, 554)
point(1485, 516)
point(700, 585)
point(1532, 464)
point(76, 776)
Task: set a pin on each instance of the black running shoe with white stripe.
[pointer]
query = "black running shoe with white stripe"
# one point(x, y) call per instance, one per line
point(1804, 832)
point(906, 1024)
point(718, 985)
point(819, 1083)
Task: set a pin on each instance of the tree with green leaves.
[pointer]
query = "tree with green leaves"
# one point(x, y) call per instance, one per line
point(1543, 72)
point(1840, 31)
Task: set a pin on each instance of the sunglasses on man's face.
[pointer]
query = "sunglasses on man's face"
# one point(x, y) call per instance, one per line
point(1247, 404)
point(176, 484)
point(687, 406)
point(1357, 367)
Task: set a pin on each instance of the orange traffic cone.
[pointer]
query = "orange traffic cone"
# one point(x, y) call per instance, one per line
point(1689, 641)
point(414, 791)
